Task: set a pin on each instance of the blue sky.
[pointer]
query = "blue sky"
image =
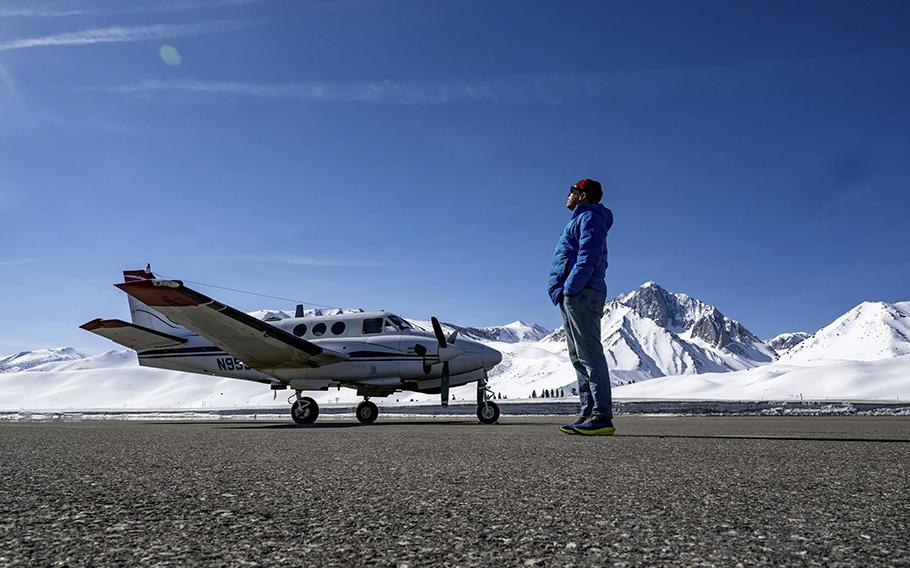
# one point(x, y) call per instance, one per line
point(414, 155)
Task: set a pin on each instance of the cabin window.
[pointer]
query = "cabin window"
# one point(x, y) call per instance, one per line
point(338, 328)
point(300, 329)
point(372, 325)
point(319, 329)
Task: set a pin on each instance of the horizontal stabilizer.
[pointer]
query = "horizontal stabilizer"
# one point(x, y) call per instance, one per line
point(130, 335)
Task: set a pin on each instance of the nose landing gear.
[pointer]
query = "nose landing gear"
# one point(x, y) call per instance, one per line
point(487, 410)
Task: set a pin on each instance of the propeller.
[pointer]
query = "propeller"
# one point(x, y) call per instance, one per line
point(446, 353)
point(437, 329)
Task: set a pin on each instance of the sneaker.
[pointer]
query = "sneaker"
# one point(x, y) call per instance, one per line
point(596, 425)
point(570, 428)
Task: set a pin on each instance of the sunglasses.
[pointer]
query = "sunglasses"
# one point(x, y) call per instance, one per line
point(574, 189)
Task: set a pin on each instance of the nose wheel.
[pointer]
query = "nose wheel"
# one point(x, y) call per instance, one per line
point(488, 412)
point(304, 410)
point(367, 412)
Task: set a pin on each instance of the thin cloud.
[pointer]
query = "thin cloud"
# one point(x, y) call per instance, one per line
point(404, 92)
point(38, 13)
point(17, 261)
point(160, 7)
point(535, 89)
point(545, 89)
point(121, 34)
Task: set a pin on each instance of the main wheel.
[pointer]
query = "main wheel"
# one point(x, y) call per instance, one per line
point(488, 412)
point(367, 412)
point(305, 413)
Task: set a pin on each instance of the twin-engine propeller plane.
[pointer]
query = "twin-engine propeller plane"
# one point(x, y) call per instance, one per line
point(377, 353)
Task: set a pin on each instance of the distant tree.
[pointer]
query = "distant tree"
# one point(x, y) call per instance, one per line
point(562, 393)
point(533, 394)
point(574, 391)
point(499, 395)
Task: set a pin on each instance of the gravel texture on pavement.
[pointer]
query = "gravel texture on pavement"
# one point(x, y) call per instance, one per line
point(416, 492)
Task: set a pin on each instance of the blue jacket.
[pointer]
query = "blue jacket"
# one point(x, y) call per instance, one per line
point(580, 259)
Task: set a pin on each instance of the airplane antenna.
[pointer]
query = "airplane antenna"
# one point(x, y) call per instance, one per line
point(251, 293)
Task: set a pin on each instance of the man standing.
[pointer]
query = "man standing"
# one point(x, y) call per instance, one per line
point(579, 288)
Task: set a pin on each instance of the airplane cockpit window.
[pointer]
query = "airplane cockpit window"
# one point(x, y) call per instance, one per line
point(389, 327)
point(319, 329)
point(372, 325)
point(401, 323)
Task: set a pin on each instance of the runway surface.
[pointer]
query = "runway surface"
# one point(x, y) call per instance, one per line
point(666, 490)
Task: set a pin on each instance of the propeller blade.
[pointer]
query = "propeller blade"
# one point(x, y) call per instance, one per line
point(453, 336)
point(437, 329)
point(422, 351)
point(444, 385)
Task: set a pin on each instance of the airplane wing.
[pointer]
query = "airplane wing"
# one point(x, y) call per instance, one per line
point(136, 337)
point(253, 341)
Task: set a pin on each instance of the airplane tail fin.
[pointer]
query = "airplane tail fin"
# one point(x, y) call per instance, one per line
point(147, 317)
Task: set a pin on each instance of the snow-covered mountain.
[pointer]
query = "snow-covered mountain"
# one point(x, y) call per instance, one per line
point(863, 354)
point(885, 379)
point(515, 332)
point(35, 360)
point(869, 332)
point(787, 341)
point(651, 332)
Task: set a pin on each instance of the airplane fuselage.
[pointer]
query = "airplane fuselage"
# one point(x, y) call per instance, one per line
point(385, 353)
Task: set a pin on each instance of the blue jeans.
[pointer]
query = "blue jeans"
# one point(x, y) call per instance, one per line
point(581, 315)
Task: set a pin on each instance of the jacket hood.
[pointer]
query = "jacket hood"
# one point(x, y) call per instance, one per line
point(596, 208)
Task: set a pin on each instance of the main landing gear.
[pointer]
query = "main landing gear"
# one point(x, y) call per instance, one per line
point(487, 410)
point(367, 412)
point(304, 410)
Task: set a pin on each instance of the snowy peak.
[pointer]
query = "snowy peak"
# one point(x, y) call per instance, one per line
point(28, 360)
point(515, 332)
point(868, 332)
point(787, 341)
point(688, 316)
point(270, 315)
point(651, 332)
point(518, 331)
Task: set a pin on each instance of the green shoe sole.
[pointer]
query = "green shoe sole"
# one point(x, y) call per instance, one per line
point(568, 430)
point(599, 432)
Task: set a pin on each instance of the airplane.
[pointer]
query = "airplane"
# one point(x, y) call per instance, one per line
point(377, 353)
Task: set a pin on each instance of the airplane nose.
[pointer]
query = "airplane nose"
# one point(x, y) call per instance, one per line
point(491, 357)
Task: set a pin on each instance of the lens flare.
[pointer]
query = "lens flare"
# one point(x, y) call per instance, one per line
point(170, 55)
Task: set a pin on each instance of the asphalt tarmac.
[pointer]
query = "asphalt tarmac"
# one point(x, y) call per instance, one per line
point(683, 491)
